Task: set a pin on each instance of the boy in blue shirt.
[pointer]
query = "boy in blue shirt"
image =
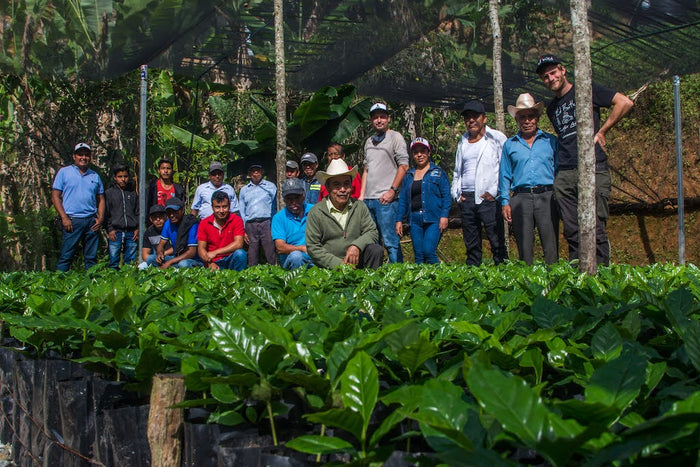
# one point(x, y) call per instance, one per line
point(180, 231)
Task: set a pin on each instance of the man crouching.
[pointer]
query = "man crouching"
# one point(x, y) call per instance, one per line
point(340, 230)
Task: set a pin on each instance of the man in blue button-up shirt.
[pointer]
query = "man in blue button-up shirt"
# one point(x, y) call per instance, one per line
point(258, 203)
point(527, 170)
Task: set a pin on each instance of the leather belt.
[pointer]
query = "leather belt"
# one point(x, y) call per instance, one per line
point(537, 189)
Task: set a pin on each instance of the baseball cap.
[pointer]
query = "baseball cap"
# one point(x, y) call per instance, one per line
point(292, 186)
point(292, 165)
point(422, 141)
point(474, 106)
point(254, 164)
point(309, 157)
point(174, 203)
point(378, 106)
point(156, 209)
point(80, 146)
point(546, 60)
point(214, 166)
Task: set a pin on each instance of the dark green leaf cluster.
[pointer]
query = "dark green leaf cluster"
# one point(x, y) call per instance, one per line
point(489, 365)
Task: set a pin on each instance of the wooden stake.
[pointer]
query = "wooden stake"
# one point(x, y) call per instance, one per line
point(165, 423)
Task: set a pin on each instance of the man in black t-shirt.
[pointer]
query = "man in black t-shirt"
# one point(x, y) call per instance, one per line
point(151, 237)
point(562, 113)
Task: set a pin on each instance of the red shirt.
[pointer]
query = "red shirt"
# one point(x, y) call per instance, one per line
point(356, 188)
point(216, 237)
point(162, 194)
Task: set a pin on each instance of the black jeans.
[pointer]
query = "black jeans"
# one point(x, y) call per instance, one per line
point(566, 193)
point(488, 214)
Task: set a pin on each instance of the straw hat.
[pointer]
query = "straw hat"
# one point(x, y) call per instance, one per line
point(336, 168)
point(525, 102)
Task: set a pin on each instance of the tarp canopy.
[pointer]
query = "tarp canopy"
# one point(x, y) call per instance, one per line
point(431, 52)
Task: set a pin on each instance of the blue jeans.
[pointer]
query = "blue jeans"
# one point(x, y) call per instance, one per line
point(384, 215)
point(238, 261)
point(185, 263)
point(297, 259)
point(69, 244)
point(124, 243)
point(425, 238)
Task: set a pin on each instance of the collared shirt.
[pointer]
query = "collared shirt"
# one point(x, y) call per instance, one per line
point(523, 166)
point(258, 201)
point(313, 189)
point(216, 236)
point(169, 232)
point(486, 175)
point(79, 190)
point(340, 216)
point(202, 198)
point(290, 228)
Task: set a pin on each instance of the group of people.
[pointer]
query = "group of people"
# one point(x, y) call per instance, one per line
point(339, 216)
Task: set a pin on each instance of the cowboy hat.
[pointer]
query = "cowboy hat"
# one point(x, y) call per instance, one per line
point(525, 102)
point(336, 168)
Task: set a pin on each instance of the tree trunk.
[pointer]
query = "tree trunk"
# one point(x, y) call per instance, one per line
point(584, 129)
point(497, 72)
point(164, 422)
point(280, 86)
point(410, 114)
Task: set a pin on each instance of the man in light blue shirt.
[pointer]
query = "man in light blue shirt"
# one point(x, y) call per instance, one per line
point(78, 196)
point(289, 225)
point(258, 203)
point(527, 170)
point(201, 205)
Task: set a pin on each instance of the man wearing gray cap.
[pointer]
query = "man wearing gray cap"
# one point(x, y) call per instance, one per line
point(312, 187)
point(201, 204)
point(289, 225)
point(291, 169)
point(475, 184)
point(258, 203)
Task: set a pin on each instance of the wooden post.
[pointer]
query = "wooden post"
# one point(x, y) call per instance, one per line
point(165, 423)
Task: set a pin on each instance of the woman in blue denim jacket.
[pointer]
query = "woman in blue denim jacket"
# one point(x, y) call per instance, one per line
point(425, 200)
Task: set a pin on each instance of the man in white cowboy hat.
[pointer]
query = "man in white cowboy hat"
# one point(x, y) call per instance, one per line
point(527, 170)
point(386, 163)
point(562, 113)
point(340, 230)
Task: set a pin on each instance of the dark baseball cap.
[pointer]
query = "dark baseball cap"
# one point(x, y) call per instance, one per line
point(174, 204)
point(545, 61)
point(474, 106)
point(156, 209)
point(292, 186)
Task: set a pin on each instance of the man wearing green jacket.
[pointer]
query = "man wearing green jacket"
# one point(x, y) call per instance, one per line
point(340, 230)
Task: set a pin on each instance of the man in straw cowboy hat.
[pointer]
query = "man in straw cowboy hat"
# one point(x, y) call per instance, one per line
point(562, 113)
point(527, 170)
point(340, 230)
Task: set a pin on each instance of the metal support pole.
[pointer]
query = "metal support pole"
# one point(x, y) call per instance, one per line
point(142, 158)
point(679, 167)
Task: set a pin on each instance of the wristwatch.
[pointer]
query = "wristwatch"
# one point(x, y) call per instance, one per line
point(396, 190)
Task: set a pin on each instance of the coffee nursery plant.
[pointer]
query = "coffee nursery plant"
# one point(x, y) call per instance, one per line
point(447, 364)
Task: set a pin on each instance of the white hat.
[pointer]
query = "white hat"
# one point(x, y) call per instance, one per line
point(378, 106)
point(525, 102)
point(336, 168)
point(80, 146)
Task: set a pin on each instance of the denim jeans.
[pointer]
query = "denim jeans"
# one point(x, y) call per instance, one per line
point(69, 244)
point(238, 261)
point(124, 243)
point(384, 215)
point(185, 263)
point(425, 238)
point(297, 259)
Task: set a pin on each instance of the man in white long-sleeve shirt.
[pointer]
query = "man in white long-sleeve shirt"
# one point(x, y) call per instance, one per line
point(475, 184)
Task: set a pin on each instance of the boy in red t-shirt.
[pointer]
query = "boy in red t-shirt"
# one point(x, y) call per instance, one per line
point(164, 188)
